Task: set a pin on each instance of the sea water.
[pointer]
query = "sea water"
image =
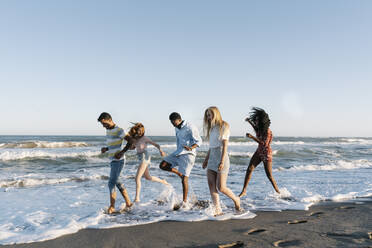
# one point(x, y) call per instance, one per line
point(55, 185)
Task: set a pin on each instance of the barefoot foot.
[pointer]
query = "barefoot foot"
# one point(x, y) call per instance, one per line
point(237, 204)
point(243, 193)
point(128, 206)
point(110, 210)
point(218, 214)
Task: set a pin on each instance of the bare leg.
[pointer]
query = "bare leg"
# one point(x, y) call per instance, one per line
point(141, 169)
point(111, 209)
point(167, 167)
point(255, 160)
point(185, 187)
point(154, 179)
point(269, 174)
point(212, 179)
point(125, 195)
point(221, 185)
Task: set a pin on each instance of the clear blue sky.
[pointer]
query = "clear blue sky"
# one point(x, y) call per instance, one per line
point(308, 63)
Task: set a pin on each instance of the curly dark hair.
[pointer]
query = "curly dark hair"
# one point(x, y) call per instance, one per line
point(259, 115)
point(137, 130)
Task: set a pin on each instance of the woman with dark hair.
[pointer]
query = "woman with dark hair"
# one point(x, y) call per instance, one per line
point(260, 122)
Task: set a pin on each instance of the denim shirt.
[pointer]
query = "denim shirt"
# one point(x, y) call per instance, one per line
point(187, 135)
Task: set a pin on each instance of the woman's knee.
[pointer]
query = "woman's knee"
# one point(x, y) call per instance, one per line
point(148, 177)
point(138, 180)
point(250, 168)
point(222, 189)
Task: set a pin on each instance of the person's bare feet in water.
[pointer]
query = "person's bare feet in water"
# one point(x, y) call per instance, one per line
point(243, 193)
point(218, 212)
point(165, 182)
point(110, 210)
point(128, 206)
point(237, 205)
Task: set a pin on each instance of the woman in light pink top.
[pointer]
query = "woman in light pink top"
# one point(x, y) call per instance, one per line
point(137, 132)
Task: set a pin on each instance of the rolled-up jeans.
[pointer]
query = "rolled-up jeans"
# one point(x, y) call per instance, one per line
point(116, 167)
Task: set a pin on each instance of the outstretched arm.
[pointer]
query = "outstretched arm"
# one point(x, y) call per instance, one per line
point(149, 141)
point(254, 138)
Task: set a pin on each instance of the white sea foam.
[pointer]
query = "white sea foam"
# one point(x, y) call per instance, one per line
point(240, 144)
point(357, 141)
point(281, 143)
point(349, 142)
point(67, 189)
point(168, 146)
point(44, 144)
point(7, 155)
point(313, 198)
point(342, 197)
point(339, 165)
point(241, 154)
point(288, 143)
point(22, 182)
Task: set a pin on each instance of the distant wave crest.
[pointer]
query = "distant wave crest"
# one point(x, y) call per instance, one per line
point(32, 182)
point(37, 154)
point(43, 144)
point(339, 165)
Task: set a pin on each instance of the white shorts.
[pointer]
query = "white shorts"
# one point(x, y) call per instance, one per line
point(185, 163)
point(215, 159)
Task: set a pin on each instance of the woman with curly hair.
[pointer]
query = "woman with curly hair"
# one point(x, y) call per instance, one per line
point(260, 122)
point(140, 141)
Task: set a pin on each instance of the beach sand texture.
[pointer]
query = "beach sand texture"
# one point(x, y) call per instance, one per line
point(328, 224)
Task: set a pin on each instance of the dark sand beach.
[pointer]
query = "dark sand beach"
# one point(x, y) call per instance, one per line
point(327, 224)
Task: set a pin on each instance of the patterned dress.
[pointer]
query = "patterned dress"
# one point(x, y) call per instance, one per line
point(264, 148)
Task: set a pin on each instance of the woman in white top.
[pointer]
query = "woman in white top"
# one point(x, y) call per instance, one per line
point(140, 141)
point(217, 160)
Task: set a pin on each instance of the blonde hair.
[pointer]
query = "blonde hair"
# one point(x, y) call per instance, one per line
point(216, 121)
point(137, 130)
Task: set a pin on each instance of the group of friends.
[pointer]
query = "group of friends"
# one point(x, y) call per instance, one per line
point(181, 161)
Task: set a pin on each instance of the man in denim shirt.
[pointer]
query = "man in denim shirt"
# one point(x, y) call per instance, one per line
point(188, 139)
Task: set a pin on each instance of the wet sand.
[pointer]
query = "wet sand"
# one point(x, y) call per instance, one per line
point(327, 224)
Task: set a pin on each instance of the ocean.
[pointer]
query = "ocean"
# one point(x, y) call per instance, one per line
point(56, 185)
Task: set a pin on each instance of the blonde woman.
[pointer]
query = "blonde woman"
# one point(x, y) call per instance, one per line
point(140, 141)
point(217, 160)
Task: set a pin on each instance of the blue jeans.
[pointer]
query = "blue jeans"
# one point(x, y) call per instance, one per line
point(116, 167)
